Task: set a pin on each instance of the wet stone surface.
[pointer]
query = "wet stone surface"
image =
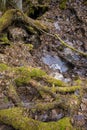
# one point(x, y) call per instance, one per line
point(55, 63)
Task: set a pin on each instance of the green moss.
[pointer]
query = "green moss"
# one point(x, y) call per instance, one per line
point(16, 118)
point(63, 4)
point(55, 81)
point(3, 67)
point(22, 80)
point(29, 71)
point(77, 82)
point(26, 73)
point(38, 73)
point(31, 29)
point(14, 96)
point(23, 76)
point(7, 19)
point(68, 89)
point(4, 40)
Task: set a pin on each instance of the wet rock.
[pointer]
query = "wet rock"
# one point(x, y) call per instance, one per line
point(55, 63)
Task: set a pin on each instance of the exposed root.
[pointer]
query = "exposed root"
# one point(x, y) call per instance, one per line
point(16, 117)
point(40, 88)
point(14, 14)
point(12, 95)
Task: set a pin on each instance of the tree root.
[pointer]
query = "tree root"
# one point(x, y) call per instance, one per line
point(70, 47)
point(40, 88)
point(64, 43)
point(14, 14)
point(53, 89)
point(51, 105)
point(12, 95)
point(7, 19)
point(16, 117)
point(10, 16)
point(54, 81)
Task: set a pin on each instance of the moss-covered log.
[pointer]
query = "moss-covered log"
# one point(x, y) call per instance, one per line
point(14, 14)
point(17, 119)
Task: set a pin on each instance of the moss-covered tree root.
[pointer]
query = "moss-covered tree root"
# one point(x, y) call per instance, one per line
point(14, 14)
point(12, 95)
point(7, 19)
point(16, 117)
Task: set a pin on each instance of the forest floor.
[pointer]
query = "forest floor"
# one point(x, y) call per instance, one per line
point(42, 76)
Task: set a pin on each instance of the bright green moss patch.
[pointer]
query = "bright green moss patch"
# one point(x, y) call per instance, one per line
point(6, 19)
point(55, 81)
point(22, 80)
point(16, 119)
point(26, 73)
point(3, 67)
point(30, 46)
point(38, 73)
point(68, 89)
point(29, 71)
